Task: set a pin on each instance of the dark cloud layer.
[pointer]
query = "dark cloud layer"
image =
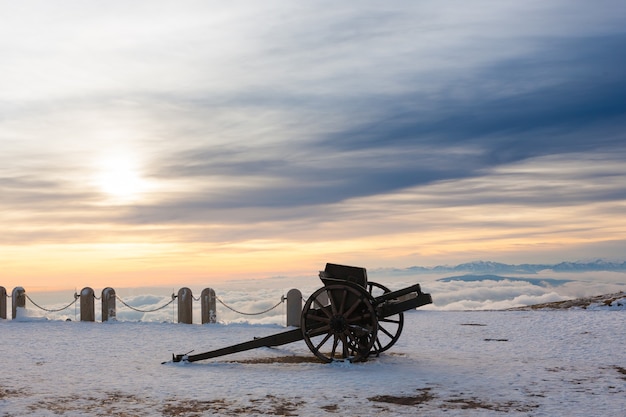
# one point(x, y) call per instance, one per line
point(283, 118)
point(566, 97)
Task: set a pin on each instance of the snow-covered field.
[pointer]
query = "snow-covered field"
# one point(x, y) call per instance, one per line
point(452, 363)
point(448, 361)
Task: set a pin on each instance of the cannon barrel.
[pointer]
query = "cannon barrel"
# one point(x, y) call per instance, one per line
point(406, 299)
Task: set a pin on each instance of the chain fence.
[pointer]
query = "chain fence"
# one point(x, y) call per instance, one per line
point(173, 297)
point(76, 297)
point(146, 311)
point(282, 300)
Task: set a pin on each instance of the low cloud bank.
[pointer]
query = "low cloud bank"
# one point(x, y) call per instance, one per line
point(259, 301)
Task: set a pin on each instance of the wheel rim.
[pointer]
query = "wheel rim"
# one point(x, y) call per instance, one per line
point(389, 328)
point(339, 323)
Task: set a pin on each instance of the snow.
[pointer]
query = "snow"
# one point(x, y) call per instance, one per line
point(618, 304)
point(448, 361)
point(453, 363)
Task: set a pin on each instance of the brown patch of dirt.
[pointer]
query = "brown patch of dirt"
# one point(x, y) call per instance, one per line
point(283, 407)
point(269, 405)
point(606, 299)
point(195, 407)
point(112, 404)
point(473, 324)
point(280, 359)
point(475, 403)
point(6, 393)
point(124, 405)
point(621, 371)
point(422, 397)
point(388, 353)
point(332, 408)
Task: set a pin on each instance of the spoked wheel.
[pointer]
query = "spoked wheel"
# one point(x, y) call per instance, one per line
point(389, 328)
point(339, 323)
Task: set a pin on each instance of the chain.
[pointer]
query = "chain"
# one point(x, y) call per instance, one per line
point(146, 311)
point(282, 300)
point(76, 297)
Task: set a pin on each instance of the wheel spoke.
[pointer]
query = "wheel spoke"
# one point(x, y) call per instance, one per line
point(379, 345)
point(333, 352)
point(385, 331)
point(389, 321)
point(315, 317)
point(354, 338)
point(324, 340)
point(356, 319)
point(316, 331)
point(322, 308)
point(333, 306)
point(344, 342)
point(353, 307)
point(342, 306)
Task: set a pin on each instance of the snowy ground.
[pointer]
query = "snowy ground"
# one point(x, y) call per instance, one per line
point(452, 363)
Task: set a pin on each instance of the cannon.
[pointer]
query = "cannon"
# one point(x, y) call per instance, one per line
point(348, 319)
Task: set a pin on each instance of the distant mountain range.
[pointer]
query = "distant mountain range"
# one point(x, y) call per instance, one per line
point(488, 267)
point(542, 282)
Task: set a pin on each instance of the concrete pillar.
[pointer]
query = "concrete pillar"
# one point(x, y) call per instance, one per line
point(185, 310)
point(18, 300)
point(3, 303)
point(87, 308)
point(108, 304)
point(294, 307)
point(208, 306)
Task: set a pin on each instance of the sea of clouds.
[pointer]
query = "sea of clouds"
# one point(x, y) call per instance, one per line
point(241, 301)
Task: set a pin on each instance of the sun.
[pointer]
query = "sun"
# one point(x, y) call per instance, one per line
point(120, 179)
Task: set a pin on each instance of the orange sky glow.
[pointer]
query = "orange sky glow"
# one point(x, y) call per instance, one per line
point(191, 145)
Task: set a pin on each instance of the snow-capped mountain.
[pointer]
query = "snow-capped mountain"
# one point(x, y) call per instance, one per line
point(489, 267)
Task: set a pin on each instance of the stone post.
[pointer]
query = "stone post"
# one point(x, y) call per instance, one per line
point(294, 307)
point(87, 308)
point(208, 306)
point(185, 310)
point(18, 300)
point(108, 304)
point(3, 303)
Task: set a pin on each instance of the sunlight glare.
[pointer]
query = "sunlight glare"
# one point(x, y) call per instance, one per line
point(119, 178)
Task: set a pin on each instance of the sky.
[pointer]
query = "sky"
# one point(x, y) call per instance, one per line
point(161, 142)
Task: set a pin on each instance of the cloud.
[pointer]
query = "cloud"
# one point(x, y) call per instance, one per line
point(549, 102)
point(317, 125)
point(257, 296)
